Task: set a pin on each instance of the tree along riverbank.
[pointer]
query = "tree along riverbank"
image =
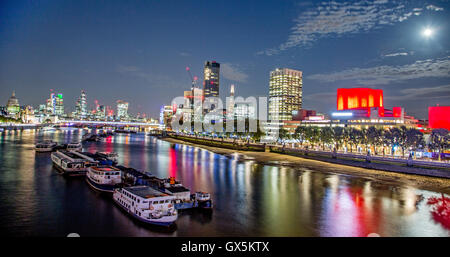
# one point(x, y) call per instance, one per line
point(367, 163)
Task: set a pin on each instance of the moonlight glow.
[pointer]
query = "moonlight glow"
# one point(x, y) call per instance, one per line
point(427, 32)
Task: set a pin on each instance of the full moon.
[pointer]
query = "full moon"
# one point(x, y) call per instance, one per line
point(428, 32)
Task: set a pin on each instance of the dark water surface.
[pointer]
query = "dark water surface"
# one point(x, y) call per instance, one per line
point(250, 199)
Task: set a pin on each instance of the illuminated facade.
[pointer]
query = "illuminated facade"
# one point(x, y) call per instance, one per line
point(13, 107)
point(285, 93)
point(100, 112)
point(353, 98)
point(439, 117)
point(51, 103)
point(165, 116)
point(303, 114)
point(188, 108)
point(59, 105)
point(211, 77)
point(362, 108)
point(244, 111)
point(81, 106)
point(122, 109)
point(230, 104)
point(28, 115)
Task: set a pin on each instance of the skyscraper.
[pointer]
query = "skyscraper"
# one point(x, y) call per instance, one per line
point(122, 109)
point(285, 94)
point(100, 112)
point(51, 103)
point(81, 106)
point(230, 104)
point(211, 81)
point(59, 105)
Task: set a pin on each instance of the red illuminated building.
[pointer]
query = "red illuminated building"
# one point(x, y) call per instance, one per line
point(439, 117)
point(303, 113)
point(355, 98)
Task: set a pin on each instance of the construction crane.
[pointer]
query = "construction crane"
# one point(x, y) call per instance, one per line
point(193, 78)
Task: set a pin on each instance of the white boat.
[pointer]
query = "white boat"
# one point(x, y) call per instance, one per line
point(74, 147)
point(109, 155)
point(48, 128)
point(72, 163)
point(45, 146)
point(103, 178)
point(203, 200)
point(147, 205)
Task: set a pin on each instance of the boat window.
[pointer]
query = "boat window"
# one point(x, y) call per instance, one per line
point(161, 201)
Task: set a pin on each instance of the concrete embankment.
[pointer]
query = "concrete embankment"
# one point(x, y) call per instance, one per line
point(279, 154)
point(376, 165)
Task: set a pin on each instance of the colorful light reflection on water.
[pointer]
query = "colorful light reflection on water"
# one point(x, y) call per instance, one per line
point(250, 199)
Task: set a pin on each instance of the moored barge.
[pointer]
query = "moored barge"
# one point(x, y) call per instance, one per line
point(147, 204)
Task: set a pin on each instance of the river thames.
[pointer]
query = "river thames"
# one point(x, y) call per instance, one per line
point(250, 198)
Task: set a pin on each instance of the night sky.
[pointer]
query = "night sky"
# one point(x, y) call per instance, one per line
point(137, 51)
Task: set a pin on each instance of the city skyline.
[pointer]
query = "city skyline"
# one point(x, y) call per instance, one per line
point(143, 60)
point(220, 126)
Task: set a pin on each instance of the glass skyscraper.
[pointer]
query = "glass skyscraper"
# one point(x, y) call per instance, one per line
point(81, 106)
point(59, 105)
point(122, 109)
point(211, 80)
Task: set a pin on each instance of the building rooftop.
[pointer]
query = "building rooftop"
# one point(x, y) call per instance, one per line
point(105, 168)
point(13, 101)
point(144, 191)
point(178, 189)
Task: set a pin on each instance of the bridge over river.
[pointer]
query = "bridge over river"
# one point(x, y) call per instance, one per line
point(81, 123)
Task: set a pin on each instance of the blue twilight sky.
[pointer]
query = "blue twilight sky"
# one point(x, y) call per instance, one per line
point(137, 51)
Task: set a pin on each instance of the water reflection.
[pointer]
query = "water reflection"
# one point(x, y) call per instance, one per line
point(250, 199)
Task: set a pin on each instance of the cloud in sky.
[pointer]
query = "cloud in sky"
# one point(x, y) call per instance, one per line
point(185, 54)
point(338, 18)
point(438, 92)
point(434, 8)
point(396, 54)
point(385, 74)
point(231, 72)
